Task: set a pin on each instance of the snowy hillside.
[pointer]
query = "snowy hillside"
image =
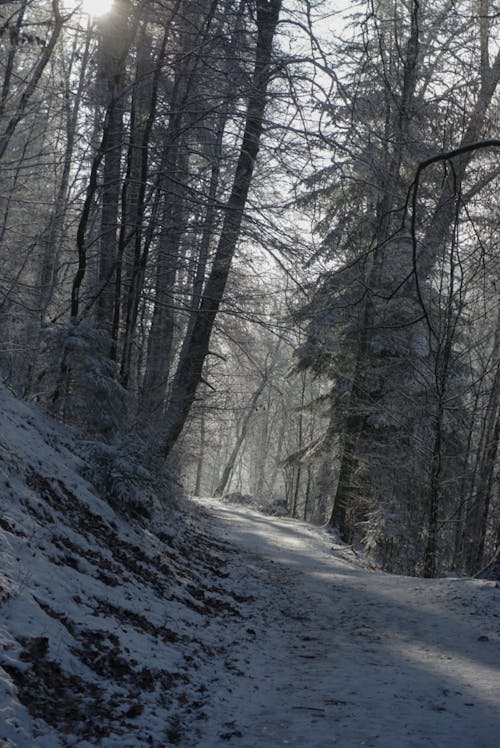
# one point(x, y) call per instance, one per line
point(219, 626)
point(106, 629)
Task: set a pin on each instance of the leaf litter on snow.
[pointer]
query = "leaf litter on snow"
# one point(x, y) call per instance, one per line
point(106, 627)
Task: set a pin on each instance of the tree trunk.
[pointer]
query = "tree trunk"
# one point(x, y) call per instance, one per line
point(358, 409)
point(139, 165)
point(477, 516)
point(209, 222)
point(189, 370)
point(429, 567)
point(116, 39)
point(201, 455)
point(154, 386)
point(53, 234)
point(175, 169)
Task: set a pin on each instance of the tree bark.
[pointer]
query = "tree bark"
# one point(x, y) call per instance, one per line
point(139, 164)
point(201, 455)
point(117, 35)
point(54, 232)
point(160, 340)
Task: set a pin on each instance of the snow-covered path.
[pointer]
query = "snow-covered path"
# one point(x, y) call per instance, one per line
point(334, 654)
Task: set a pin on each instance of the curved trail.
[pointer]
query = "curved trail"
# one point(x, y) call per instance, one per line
point(334, 654)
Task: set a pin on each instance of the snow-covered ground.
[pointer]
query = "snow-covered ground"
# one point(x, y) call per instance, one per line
point(218, 625)
point(346, 656)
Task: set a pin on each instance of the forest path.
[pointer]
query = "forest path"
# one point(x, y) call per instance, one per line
point(334, 654)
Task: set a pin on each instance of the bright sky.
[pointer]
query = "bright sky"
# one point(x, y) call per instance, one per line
point(96, 8)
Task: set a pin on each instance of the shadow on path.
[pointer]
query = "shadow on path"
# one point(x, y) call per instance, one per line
point(345, 656)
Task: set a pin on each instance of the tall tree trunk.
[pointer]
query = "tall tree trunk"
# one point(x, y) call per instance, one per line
point(429, 566)
point(478, 511)
point(138, 169)
point(134, 184)
point(212, 211)
point(209, 222)
point(154, 386)
point(359, 407)
point(117, 34)
point(109, 150)
point(201, 455)
point(444, 348)
point(175, 169)
point(300, 445)
point(53, 234)
point(189, 371)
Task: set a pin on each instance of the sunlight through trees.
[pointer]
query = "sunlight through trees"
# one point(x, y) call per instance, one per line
point(253, 246)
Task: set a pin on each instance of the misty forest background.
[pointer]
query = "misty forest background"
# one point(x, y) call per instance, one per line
point(252, 246)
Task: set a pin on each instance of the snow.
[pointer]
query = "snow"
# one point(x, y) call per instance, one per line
point(347, 656)
point(217, 625)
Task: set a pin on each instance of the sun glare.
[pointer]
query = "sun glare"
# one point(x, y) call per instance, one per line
point(97, 8)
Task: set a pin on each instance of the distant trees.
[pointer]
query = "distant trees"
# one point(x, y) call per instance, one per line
point(247, 417)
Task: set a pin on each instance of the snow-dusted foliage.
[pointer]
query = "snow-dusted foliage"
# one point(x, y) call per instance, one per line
point(128, 475)
point(388, 324)
point(86, 391)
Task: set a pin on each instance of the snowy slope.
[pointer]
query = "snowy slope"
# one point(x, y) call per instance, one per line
point(219, 626)
point(107, 631)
